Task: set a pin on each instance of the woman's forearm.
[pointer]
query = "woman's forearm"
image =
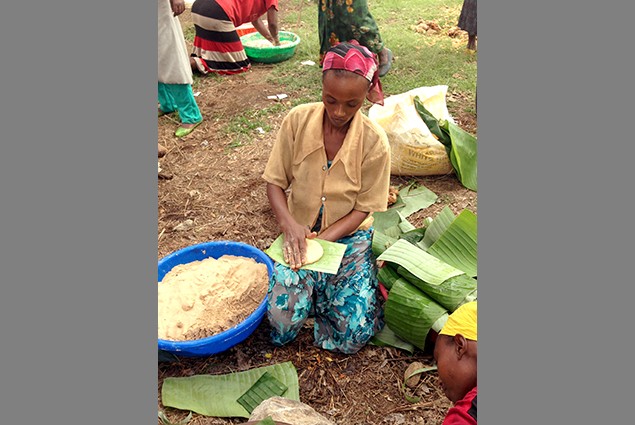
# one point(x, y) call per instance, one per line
point(344, 226)
point(262, 29)
point(294, 248)
point(272, 22)
point(278, 202)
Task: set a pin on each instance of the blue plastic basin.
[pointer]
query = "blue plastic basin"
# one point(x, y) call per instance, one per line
point(223, 341)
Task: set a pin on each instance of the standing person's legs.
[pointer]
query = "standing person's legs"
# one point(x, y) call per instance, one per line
point(342, 22)
point(367, 33)
point(166, 101)
point(467, 22)
point(325, 26)
point(180, 97)
point(185, 103)
point(364, 27)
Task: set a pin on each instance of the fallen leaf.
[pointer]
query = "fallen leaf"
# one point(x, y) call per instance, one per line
point(412, 381)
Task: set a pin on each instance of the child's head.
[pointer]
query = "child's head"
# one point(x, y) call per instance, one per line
point(455, 352)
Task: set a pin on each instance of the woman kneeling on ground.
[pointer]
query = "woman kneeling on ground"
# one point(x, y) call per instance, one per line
point(217, 45)
point(335, 164)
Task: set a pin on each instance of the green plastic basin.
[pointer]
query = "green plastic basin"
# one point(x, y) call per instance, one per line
point(271, 53)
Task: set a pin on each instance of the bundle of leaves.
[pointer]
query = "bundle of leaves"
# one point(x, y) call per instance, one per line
point(428, 271)
point(459, 144)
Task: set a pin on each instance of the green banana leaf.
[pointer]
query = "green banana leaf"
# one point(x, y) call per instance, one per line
point(411, 199)
point(387, 275)
point(460, 145)
point(217, 395)
point(410, 313)
point(423, 265)
point(329, 263)
point(464, 154)
point(404, 225)
point(265, 387)
point(391, 227)
point(433, 124)
point(414, 399)
point(165, 421)
point(439, 225)
point(438, 325)
point(387, 338)
point(381, 242)
point(384, 220)
point(450, 293)
point(414, 236)
point(414, 198)
point(457, 246)
point(394, 231)
point(455, 162)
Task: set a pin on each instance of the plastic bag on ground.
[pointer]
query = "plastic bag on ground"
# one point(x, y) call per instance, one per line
point(415, 151)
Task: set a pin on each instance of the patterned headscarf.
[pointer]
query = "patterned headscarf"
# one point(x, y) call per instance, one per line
point(353, 57)
point(463, 321)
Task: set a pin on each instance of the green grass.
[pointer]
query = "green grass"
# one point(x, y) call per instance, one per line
point(189, 33)
point(421, 59)
point(427, 59)
point(242, 127)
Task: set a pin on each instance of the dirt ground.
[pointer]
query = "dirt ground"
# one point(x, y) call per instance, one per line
point(211, 190)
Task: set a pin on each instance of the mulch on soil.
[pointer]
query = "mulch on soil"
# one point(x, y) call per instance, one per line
point(364, 388)
point(220, 190)
point(212, 190)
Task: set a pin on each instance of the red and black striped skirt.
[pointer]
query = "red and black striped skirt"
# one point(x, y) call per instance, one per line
point(217, 46)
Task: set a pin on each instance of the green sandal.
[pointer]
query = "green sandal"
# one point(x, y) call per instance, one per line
point(182, 131)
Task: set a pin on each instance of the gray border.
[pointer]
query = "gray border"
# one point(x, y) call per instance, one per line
point(78, 190)
point(78, 226)
point(555, 299)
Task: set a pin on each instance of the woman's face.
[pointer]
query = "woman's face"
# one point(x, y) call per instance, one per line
point(343, 94)
point(456, 376)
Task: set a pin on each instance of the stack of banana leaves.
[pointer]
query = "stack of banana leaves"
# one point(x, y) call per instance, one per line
point(428, 271)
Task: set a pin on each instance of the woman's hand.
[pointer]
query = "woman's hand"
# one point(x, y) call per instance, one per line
point(178, 6)
point(294, 246)
point(264, 31)
point(295, 234)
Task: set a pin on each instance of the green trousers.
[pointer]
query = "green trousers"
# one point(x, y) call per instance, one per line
point(179, 97)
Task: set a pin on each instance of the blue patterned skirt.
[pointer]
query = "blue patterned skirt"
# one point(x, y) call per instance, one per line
point(345, 306)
